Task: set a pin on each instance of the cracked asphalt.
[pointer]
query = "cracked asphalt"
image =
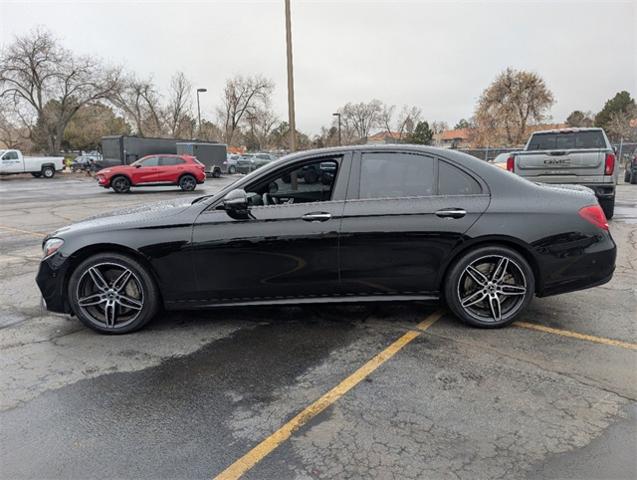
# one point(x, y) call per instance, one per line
point(193, 392)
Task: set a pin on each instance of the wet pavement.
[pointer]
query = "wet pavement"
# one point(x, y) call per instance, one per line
point(193, 392)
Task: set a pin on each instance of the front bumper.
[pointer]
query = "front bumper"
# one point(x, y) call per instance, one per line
point(50, 280)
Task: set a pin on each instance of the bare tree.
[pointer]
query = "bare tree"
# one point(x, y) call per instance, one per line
point(241, 97)
point(48, 84)
point(512, 102)
point(139, 101)
point(386, 116)
point(179, 106)
point(362, 117)
point(407, 121)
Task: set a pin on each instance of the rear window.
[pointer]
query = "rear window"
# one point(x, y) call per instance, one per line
point(567, 140)
point(453, 181)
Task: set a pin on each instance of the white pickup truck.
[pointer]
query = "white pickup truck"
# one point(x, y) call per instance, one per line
point(13, 162)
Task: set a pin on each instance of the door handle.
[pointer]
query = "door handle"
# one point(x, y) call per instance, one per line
point(451, 213)
point(317, 217)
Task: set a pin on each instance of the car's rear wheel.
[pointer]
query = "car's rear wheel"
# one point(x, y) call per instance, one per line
point(489, 287)
point(113, 293)
point(120, 184)
point(608, 205)
point(48, 172)
point(187, 183)
point(232, 169)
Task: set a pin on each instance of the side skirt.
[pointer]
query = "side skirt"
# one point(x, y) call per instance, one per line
point(197, 304)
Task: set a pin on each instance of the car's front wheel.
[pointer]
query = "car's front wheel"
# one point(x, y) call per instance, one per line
point(120, 184)
point(113, 293)
point(490, 286)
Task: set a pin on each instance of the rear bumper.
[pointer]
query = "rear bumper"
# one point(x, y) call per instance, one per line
point(578, 267)
point(602, 190)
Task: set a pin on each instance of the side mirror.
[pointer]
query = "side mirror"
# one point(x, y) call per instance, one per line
point(236, 204)
point(138, 165)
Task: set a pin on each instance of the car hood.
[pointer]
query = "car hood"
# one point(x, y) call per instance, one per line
point(147, 215)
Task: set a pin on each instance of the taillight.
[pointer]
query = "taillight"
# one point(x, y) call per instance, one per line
point(609, 164)
point(510, 164)
point(595, 215)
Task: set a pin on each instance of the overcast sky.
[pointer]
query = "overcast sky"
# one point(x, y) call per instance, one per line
point(436, 55)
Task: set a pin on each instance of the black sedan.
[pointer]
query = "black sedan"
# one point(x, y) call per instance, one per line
point(382, 223)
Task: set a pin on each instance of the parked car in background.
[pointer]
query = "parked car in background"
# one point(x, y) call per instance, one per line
point(85, 161)
point(230, 165)
point(393, 223)
point(500, 160)
point(582, 156)
point(12, 162)
point(260, 159)
point(630, 175)
point(154, 171)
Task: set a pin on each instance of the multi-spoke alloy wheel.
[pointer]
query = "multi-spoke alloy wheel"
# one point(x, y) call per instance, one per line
point(491, 286)
point(112, 293)
point(187, 183)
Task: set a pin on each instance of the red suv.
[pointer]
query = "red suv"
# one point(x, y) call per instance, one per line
point(154, 171)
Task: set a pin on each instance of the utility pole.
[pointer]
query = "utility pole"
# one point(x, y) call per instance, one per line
point(199, 90)
point(288, 41)
point(339, 128)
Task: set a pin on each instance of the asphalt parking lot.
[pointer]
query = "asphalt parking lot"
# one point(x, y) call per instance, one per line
point(359, 391)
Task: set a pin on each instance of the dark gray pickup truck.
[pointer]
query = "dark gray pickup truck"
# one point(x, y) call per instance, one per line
point(582, 156)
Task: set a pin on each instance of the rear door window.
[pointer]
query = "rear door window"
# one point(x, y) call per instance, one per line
point(169, 161)
point(394, 175)
point(453, 181)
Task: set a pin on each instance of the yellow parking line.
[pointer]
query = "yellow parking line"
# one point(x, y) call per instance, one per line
point(28, 232)
point(579, 336)
point(250, 459)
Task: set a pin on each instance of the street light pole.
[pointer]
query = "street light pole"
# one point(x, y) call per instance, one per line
point(288, 42)
point(339, 127)
point(200, 90)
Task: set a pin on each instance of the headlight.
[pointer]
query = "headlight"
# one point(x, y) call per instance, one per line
point(51, 246)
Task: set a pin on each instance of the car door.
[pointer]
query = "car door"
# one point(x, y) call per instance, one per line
point(401, 221)
point(170, 169)
point(288, 249)
point(11, 162)
point(147, 172)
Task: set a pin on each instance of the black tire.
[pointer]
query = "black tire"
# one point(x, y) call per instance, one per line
point(633, 178)
point(132, 302)
point(216, 173)
point(36, 174)
point(608, 205)
point(496, 292)
point(627, 176)
point(187, 183)
point(120, 184)
point(232, 170)
point(48, 172)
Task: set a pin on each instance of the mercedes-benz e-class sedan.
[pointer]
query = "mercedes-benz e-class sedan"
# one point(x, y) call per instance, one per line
point(379, 223)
